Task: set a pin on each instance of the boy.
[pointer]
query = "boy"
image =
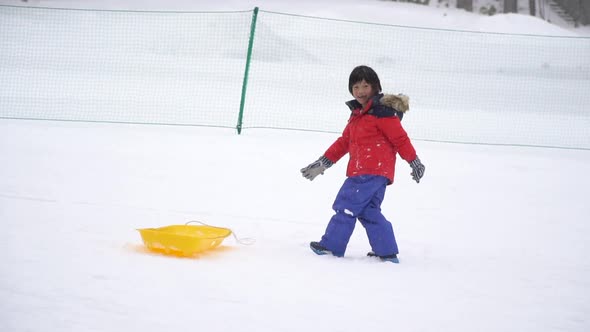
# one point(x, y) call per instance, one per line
point(373, 137)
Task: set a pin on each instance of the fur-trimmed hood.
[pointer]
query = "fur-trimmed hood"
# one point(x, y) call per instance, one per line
point(399, 102)
point(383, 104)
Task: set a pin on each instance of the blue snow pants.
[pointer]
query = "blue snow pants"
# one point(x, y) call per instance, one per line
point(360, 198)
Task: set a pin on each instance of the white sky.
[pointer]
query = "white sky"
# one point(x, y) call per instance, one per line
point(493, 239)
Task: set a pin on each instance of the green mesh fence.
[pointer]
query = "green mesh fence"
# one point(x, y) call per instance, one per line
point(120, 66)
point(463, 86)
point(193, 68)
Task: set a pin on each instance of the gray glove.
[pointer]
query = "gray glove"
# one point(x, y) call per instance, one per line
point(316, 168)
point(417, 169)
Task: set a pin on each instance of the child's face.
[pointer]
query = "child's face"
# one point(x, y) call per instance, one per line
point(362, 92)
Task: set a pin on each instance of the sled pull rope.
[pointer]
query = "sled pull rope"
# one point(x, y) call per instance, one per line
point(245, 241)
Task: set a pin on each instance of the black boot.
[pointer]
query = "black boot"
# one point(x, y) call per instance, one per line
point(319, 249)
point(387, 258)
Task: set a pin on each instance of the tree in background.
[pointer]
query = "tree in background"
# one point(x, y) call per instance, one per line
point(465, 4)
point(510, 6)
point(574, 11)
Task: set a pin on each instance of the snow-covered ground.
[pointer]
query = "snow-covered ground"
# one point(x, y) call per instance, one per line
point(493, 238)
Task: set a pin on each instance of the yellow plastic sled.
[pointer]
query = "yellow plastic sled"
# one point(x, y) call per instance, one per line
point(183, 240)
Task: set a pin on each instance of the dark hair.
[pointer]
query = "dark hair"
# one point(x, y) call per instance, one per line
point(364, 73)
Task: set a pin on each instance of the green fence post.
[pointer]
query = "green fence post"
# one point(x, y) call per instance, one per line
point(247, 70)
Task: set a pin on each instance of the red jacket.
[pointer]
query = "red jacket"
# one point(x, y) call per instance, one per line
point(373, 137)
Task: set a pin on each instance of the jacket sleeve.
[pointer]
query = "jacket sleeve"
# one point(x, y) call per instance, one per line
point(340, 147)
point(397, 136)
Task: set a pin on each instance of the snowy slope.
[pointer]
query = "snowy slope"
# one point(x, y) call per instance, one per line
point(493, 238)
point(436, 15)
